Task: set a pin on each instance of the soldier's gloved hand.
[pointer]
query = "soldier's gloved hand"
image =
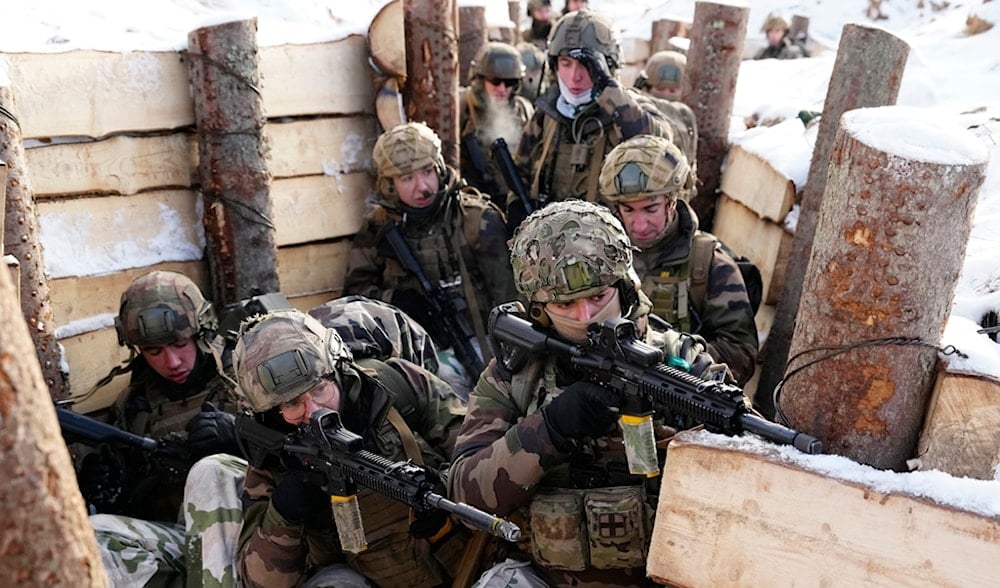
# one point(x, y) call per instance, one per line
point(101, 479)
point(583, 409)
point(298, 498)
point(211, 431)
point(597, 67)
point(687, 352)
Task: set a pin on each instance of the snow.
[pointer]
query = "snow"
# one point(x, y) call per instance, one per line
point(951, 83)
point(906, 132)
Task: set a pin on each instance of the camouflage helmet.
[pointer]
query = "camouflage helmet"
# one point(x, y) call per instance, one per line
point(584, 28)
point(645, 166)
point(571, 249)
point(775, 21)
point(159, 308)
point(497, 61)
point(281, 355)
point(407, 148)
point(665, 68)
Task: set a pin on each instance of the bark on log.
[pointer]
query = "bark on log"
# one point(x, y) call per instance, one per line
point(386, 42)
point(473, 34)
point(713, 63)
point(431, 91)
point(662, 30)
point(889, 247)
point(232, 166)
point(867, 73)
point(514, 13)
point(21, 239)
point(46, 539)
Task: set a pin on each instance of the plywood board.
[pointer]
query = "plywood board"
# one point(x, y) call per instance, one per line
point(313, 268)
point(320, 78)
point(321, 146)
point(319, 208)
point(729, 517)
point(753, 181)
point(767, 243)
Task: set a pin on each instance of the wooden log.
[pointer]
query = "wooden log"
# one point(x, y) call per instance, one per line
point(431, 90)
point(22, 240)
point(662, 31)
point(232, 166)
point(318, 208)
point(472, 35)
point(767, 243)
point(514, 13)
point(713, 63)
point(3, 205)
point(336, 145)
point(634, 52)
point(961, 433)
point(91, 355)
point(314, 268)
point(319, 78)
point(386, 40)
point(891, 211)
point(746, 515)
point(389, 109)
point(867, 73)
point(752, 181)
point(47, 539)
point(799, 29)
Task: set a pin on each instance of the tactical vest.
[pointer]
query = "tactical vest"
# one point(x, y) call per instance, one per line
point(673, 291)
point(570, 162)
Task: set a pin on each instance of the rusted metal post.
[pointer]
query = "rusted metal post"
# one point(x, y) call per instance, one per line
point(889, 247)
point(867, 73)
point(472, 36)
point(709, 87)
point(232, 165)
point(431, 89)
point(21, 239)
point(662, 30)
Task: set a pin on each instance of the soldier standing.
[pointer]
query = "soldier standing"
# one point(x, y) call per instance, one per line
point(662, 78)
point(779, 44)
point(540, 13)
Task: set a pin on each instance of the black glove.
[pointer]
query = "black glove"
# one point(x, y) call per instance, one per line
point(299, 498)
point(102, 479)
point(426, 524)
point(583, 409)
point(597, 67)
point(516, 214)
point(211, 431)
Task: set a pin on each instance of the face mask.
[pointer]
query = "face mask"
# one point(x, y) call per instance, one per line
point(576, 331)
point(569, 103)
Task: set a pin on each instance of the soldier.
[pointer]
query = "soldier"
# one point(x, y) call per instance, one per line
point(662, 78)
point(779, 44)
point(287, 366)
point(455, 234)
point(573, 5)
point(691, 281)
point(539, 443)
point(581, 116)
point(489, 109)
point(540, 12)
point(533, 84)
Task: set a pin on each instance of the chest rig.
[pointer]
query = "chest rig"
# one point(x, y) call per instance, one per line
point(570, 161)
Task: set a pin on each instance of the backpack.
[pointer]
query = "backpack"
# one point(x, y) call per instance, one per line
point(702, 250)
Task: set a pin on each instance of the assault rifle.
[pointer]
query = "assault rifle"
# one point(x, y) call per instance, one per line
point(452, 311)
point(78, 426)
point(503, 160)
point(326, 447)
point(616, 359)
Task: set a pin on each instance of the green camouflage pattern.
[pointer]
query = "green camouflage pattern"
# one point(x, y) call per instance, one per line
point(727, 322)
point(488, 121)
point(405, 149)
point(786, 49)
point(585, 28)
point(643, 167)
point(665, 68)
point(161, 307)
point(135, 552)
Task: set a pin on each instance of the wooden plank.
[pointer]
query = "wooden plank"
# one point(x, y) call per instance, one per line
point(117, 165)
point(313, 268)
point(635, 51)
point(321, 78)
point(90, 236)
point(94, 93)
point(307, 303)
point(318, 208)
point(766, 243)
point(961, 432)
point(321, 146)
point(731, 517)
point(753, 181)
point(76, 298)
point(90, 357)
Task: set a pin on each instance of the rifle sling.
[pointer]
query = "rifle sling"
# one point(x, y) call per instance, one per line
point(410, 446)
point(470, 294)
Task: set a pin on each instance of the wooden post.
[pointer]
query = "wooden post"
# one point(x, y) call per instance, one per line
point(232, 168)
point(431, 89)
point(799, 29)
point(713, 63)
point(472, 36)
point(46, 539)
point(514, 13)
point(21, 239)
point(662, 30)
point(888, 250)
point(868, 71)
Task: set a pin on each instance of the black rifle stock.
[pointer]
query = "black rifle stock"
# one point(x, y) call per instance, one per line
point(484, 179)
point(326, 447)
point(503, 160)
point(618, 360)
point(450, 310)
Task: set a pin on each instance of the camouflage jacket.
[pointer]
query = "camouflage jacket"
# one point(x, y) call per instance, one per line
point(464, 223)
point(538, 33)
point(483, 121)
point(786, 49)
point(274, 552)
point(561, 157)
point(724, 318)
point(505, 456)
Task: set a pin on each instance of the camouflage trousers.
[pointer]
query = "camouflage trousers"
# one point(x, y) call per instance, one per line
point(199, 552)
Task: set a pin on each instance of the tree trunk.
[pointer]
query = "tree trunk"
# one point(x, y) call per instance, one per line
point(472, 36)
point(799, 29)
point(709, 87)
point(514, 13)
point(232, 168)
point(889, 248)
point(386, 42)
point(21, 239)
point(868, 71)
point(431, 89)
point(46, 539)
point(662, 30)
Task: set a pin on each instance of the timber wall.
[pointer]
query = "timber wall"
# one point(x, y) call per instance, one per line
point(112, 157)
